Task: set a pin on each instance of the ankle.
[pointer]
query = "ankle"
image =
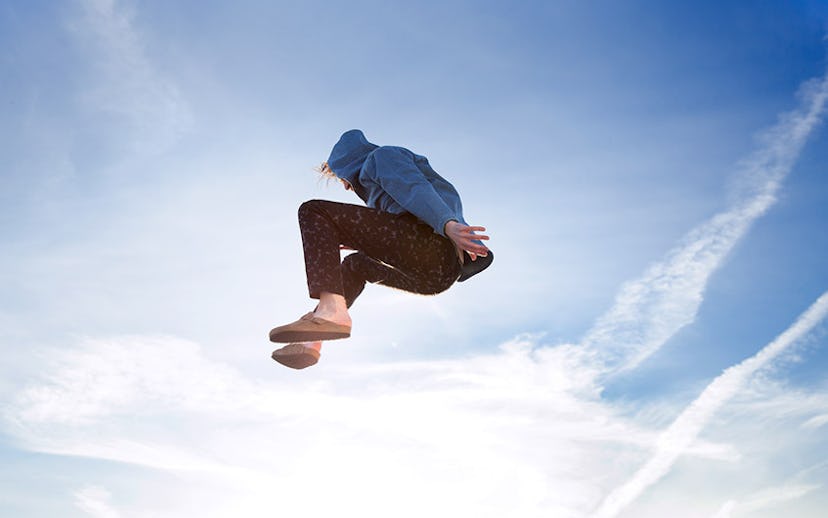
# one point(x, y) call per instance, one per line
point(331, 304)
point(340, 317)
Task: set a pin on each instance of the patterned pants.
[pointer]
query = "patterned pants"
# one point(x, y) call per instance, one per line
point(394, 250)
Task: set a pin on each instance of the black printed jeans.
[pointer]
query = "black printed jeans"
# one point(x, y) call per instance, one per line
point(394, 250)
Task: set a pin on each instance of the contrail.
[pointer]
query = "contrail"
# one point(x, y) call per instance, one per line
point(649, 310)
point(684, 430)
point(766, 498)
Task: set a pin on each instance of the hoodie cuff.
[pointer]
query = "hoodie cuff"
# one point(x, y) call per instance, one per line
point(442, 230)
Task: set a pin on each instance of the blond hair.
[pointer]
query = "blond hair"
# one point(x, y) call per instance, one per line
point(325, 170)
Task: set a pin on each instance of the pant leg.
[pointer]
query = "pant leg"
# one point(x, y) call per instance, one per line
point(393, 250)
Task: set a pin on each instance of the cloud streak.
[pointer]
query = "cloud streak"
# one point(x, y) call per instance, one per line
point(649, 310)
point(764, 499)
point(686, 428)
point(496, 430)
point(94, 501)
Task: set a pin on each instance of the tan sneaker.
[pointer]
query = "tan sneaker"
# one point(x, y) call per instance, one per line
point(309, 329)
point(296, 356)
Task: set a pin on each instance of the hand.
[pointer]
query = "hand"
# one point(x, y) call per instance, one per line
point(464, 238)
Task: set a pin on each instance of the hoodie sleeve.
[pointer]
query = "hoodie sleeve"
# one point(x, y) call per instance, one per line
point(395, 171)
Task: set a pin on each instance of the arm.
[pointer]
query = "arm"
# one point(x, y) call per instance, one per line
point(395, 171)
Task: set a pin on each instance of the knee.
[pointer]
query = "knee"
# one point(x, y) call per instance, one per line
point(309, 207)
point(354, 262)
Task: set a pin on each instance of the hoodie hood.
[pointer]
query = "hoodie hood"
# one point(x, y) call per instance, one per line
point(348, 156)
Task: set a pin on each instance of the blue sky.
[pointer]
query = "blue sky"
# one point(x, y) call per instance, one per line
point(650, 342)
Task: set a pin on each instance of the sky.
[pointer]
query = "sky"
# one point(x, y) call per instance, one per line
point(650, 341)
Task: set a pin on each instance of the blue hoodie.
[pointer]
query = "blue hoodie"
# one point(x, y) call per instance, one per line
point(393, 179)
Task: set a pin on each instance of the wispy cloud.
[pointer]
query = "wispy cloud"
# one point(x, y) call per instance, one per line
point(492, 434)
point(649, 310)
point(125, 82)
point(816, 421)
point(94, 501)
point(764, 499)
point(685, 429)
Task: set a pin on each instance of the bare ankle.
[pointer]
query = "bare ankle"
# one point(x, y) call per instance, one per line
point(332, 306)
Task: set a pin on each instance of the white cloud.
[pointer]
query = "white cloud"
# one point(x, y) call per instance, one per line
point(764, 499)
point(94, 501)
point(686, 428)
point(491, 435)
point(649, 310)
point(816, 422)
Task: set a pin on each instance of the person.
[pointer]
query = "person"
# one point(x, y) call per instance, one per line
point(411, 235)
